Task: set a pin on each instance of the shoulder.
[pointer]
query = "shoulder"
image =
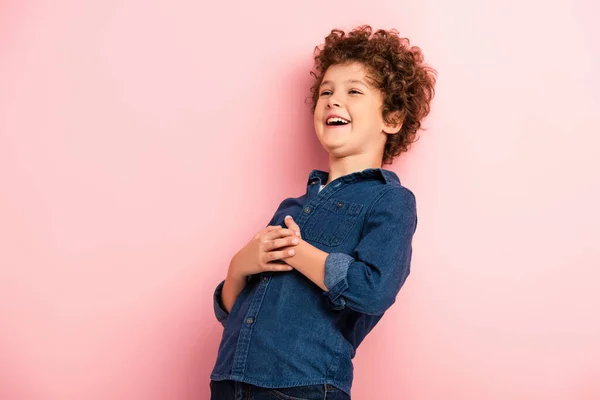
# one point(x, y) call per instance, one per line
point(393, 197)
point(288, 201)
point(393, 211)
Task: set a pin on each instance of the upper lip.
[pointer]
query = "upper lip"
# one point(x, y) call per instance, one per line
point(335, 115)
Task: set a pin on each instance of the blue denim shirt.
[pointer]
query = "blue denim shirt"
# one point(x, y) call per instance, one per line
point(284, 330)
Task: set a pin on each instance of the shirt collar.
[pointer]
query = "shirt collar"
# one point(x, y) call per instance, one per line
point(384, 175)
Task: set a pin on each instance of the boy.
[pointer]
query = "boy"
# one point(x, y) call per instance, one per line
point(298, 300)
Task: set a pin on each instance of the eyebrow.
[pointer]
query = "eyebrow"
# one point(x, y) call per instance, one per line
point(348, 81)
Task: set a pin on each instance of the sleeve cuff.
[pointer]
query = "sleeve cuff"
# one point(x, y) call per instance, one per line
point(220, 312)
point(336, 269)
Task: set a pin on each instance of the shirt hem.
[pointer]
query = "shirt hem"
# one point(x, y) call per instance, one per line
point(270, 385)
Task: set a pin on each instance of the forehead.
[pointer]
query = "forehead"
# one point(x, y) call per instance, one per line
point(339, 73)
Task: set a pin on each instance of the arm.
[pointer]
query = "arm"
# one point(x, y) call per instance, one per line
point(227, 293)
point(310, 261)
point(228, 290)
point(232, 286)
point(369, 280)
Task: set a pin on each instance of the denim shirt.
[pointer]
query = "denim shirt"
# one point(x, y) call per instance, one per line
point(283, 330)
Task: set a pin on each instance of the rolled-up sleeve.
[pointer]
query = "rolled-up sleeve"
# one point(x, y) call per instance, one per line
point(220, 312)
point(369, 279)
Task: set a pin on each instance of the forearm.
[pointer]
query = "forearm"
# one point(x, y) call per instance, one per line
point(310, 261)
point(232, 287)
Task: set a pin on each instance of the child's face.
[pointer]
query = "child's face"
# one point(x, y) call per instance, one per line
point(345, 92)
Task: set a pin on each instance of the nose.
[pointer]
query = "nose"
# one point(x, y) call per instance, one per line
point(331, 103)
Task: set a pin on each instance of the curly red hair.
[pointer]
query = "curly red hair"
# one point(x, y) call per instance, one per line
point(394, 67)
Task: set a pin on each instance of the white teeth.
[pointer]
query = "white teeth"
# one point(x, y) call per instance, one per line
point(336, 119)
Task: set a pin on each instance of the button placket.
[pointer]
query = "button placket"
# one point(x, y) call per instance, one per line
point(245, 333)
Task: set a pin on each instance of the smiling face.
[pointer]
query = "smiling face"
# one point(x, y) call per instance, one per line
point(348, 115)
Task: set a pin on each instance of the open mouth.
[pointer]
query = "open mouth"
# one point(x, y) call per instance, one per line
point(336, 121)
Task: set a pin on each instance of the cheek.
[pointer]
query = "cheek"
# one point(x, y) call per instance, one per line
point(374, 117)
point(318, 114)
point(317, 123)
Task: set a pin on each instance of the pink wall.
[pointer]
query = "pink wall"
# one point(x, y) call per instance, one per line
point(143, 143)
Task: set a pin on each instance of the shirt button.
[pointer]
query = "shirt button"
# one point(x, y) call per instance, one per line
point(313, 182)
point(265, 278)
point(307, 210)
point(249, 320)
point(339, 204)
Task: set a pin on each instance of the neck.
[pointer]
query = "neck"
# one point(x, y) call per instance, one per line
point(344, 166)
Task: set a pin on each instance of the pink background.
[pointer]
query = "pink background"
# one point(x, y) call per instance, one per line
point(143, 143)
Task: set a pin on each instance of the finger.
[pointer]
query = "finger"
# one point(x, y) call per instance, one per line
point(281, 242)
point(280, 267)
point(264, 230)
point(290, 223)
point(278, 255)
point(276, 233)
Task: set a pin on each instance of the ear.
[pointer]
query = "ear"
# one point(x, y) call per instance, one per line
point(394, 127)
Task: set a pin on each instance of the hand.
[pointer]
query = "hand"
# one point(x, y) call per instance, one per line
point(269, 244)
point(290, 223)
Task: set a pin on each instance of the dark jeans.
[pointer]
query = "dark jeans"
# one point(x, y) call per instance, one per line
point(233, 390)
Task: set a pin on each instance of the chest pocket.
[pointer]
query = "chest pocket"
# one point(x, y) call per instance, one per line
point(331, 222)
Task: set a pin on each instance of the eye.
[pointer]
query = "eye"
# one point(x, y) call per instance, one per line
point(325, 92)
point(354, 91)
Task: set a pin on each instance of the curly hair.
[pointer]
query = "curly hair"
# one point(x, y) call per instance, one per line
point(394, 67)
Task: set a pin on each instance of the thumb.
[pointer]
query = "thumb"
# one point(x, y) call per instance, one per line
point(290, 223)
